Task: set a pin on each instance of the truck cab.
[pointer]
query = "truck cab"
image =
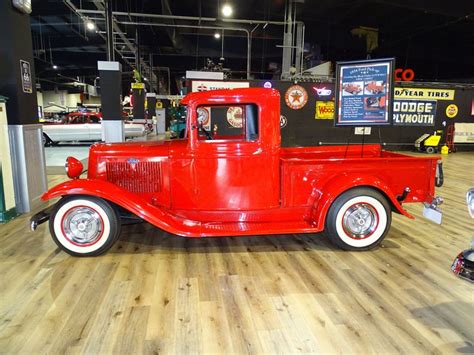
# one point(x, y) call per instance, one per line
point(229, 176)
point(233, 169)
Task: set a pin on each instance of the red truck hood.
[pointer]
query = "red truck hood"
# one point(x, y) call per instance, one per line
point(129, 152)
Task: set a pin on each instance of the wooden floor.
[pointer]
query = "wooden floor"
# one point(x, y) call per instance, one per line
point(156, 293)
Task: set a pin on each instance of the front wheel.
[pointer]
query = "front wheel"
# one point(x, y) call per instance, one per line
point(47, 142)
point(84, 225)
point(358, 219)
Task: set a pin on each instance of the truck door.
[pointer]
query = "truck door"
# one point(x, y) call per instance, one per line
point(228, 167)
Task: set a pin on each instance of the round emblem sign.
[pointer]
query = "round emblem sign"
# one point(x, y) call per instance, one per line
point(234, 116)
point(451, 111)
point(203, 116)
point(296, 97)
point(283, 121)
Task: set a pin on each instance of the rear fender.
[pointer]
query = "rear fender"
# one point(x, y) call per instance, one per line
point(322, 198)
point(129, 201)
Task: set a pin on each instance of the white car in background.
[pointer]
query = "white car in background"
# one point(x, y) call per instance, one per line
point(84, 126)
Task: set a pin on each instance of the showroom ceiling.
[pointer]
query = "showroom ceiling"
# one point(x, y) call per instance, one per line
point(437, 42)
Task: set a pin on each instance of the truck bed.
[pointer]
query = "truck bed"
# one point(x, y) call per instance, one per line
point(309, 168)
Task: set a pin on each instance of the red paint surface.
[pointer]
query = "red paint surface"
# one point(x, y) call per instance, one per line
point(194, 187)
point(74, 167)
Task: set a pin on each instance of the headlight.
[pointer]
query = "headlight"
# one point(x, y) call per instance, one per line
point(470, 202)
point(73, 168)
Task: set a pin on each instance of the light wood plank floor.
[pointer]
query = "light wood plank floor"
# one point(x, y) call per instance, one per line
point(157, 293)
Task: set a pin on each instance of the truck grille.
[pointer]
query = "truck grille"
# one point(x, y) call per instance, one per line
point(141, 177)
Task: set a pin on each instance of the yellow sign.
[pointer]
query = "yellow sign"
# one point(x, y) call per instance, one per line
point(424, 94)
point(324, 110)
point(138, 85)
point(451, 111)
point(159, 104)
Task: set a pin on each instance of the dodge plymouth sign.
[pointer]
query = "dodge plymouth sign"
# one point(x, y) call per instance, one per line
point(414, 112)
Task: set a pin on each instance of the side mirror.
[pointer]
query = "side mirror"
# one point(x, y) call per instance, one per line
point(470, 202)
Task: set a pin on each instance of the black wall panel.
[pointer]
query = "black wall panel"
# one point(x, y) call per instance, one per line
point(304, 130)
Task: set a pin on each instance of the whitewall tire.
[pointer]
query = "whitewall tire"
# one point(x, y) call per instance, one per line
point(84, 225)
point(358, 219)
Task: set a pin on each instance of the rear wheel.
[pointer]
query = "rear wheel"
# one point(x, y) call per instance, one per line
point(358, 219)
point(430, 150)
point(84, 225)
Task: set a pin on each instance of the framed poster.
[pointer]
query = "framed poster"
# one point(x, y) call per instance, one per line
point(26, 77)
point(364, 93)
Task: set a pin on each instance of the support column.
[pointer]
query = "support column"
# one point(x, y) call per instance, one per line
point(18, 84)
point(151, 105)
point(109, 26)
point(111, 100)
point(138, 91)
point(7, 188)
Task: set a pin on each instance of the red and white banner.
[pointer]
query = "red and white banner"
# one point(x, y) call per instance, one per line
point(206, 85)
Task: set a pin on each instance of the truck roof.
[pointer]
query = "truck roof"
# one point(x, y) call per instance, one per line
point(261, 93)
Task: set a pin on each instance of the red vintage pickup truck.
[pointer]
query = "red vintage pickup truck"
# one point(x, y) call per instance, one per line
point(236, 180)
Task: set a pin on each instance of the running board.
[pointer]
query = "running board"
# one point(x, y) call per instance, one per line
point(212, 229)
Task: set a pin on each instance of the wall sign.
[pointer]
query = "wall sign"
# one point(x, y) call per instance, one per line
point(138, 86)
point(451, 111)
point(283, 121)
point(26, 77)
point(234, 116)
point(204, 117)
point(324, 110)
point(364, 92)
point(206, 85)
point(414, 112)
point(296, 97)
point(404, 74)
point(424, 94)
point(324, 92)
point(464, 133)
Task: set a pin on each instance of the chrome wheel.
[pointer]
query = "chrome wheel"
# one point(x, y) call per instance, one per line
point(360, 221)
point(82, 225)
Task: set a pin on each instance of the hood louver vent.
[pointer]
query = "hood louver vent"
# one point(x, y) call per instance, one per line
point(141, 177)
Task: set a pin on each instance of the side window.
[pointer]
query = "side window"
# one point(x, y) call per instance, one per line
point(94, 119)
point(233, 123)
point(80, 119)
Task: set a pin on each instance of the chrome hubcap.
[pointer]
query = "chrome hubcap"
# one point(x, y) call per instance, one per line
point(82, 225)
point(360, 220)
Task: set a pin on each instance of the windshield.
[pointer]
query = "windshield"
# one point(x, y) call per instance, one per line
point(177, 116)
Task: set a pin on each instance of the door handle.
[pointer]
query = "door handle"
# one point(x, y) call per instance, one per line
point(258, 151)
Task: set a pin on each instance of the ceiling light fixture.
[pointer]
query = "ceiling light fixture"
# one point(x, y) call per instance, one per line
point(227, 10)
point(217, 35)
point(90, 25)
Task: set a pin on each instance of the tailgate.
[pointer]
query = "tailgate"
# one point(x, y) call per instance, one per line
point(419, 174)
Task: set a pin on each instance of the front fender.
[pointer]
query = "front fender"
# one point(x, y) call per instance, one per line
point(129, 201)
point(325, 196)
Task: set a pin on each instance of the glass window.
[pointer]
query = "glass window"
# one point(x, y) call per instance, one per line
point(94, 119)
point(236, 122)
